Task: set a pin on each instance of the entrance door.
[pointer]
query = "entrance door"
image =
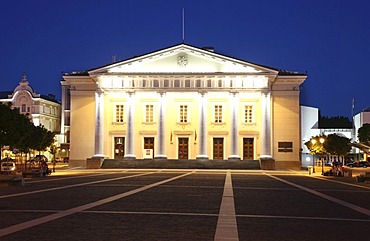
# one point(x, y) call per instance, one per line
point(149, 143)
point(218, 148)
point(183, 148)
point(248, 148)
point(119, 147)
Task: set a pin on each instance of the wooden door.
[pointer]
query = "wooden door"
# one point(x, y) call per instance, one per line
point(149, 143)
point(248, 149)
point(183, 148)
point(218, 148)
point(119, 147)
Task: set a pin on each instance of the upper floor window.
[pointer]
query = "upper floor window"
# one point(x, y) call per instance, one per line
point(183, 113)
point(148, 113)
point(218, 113)
point(119, 113)
point(23, 108)
point(248, 114)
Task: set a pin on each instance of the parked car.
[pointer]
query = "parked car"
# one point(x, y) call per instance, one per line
point(8, 167)
point(41, 158)
point(358, 164)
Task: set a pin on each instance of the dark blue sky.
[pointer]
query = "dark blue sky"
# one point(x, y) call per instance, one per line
point(328, 39)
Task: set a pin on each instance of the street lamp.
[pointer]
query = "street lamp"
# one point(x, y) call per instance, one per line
point(322, 140)
point(313, 141)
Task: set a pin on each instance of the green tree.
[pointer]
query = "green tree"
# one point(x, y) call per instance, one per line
point(42, 138)
point(337, 145)
point(363, 133)
point(315, 144)
point(334, 122)
point(18, 132)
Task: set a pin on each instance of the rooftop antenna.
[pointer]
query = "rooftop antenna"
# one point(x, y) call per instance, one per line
point(183, 25)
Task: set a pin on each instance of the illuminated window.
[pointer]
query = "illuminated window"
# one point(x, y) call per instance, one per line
point(183, 113)
point(119, 113)
point(218, 113)
point(149, 113)
point(285, 146)
point(248, 114)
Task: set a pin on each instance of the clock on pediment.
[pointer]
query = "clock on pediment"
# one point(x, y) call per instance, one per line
point(182, 60)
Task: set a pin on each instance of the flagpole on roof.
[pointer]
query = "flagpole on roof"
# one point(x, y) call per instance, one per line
point(183, 25)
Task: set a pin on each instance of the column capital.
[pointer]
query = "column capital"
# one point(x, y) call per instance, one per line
point(99, 90)
point(202, 92)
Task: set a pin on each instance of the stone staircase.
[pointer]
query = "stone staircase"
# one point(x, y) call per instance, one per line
point(181, 164)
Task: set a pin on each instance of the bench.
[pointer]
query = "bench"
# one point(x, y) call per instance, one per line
point(11, 180)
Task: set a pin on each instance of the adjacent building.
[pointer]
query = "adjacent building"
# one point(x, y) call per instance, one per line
point(182, 102)
point(42, 110)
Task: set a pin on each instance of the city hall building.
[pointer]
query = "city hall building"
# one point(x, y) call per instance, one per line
point(182, 102)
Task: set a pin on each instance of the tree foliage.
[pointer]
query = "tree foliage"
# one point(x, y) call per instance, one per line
point(363, 133)
point(18, 132)
point(334, 122)
point(332, 144)
point(337, 145)
point(315, 146)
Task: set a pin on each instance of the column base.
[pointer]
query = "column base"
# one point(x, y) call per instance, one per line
point(202, 157)
point(95, 162)
point(160, 157)
point(96, 156)
point(233, 158)
point(267, 162)
point(129, 157)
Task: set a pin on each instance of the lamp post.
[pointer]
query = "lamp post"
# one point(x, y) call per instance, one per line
point(322, 140)
point(313, 141)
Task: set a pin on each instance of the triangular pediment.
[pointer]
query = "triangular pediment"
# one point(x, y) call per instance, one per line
point(183, 58)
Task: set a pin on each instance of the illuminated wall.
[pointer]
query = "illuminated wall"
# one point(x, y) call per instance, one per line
point(184, 99)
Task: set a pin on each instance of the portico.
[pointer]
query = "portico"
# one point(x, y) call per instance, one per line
point(185, 102)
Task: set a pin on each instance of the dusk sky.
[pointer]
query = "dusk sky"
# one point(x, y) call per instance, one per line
point(328, 39)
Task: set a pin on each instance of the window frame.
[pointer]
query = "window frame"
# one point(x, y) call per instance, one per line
point(117, 113)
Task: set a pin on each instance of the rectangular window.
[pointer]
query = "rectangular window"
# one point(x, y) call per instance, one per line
point(248, 114)
point(119, 113)
point(149, 113)
point(285, 146)
point(183, 113)
point(23, 108)
point(218, 113)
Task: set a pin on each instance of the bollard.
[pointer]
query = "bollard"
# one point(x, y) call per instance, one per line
point(309, 170)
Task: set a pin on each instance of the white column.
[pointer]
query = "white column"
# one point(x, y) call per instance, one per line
point(99, 124)
point(266, 125)
point(202, 153)
point(129, 140)
point(160, 128)
point(234, 155)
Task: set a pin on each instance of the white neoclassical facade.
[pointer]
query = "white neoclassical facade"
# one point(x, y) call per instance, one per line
point(182, 102)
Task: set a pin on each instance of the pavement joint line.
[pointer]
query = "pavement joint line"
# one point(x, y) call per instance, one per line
point(64, 213)
point(70, 186)
point(327, 197)
point(303, 218)
point(194, 214)
point(65, 178)
point(344, 183)
point(227, 228)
